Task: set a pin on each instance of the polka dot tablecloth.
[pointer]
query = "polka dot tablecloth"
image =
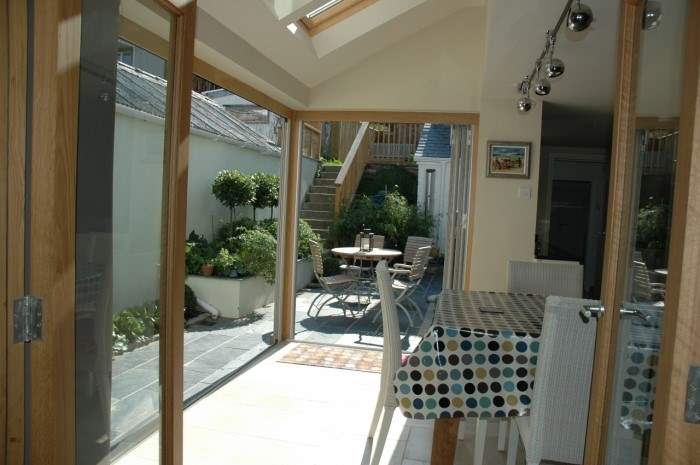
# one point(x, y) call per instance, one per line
point(640, 359)
point(477, 359)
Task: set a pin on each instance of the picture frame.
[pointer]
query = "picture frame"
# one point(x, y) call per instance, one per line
point(508, 159)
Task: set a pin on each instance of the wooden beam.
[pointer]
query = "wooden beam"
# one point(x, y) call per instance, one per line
point(618, 225)
point(174, 221)
point(472, 207)
point(390, 116)
point(4, 302)
point(288, 230)
point(54, 142)
point(673, 441)
point(16, 146)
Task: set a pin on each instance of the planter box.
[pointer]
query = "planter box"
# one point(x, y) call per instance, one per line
point(234, 298)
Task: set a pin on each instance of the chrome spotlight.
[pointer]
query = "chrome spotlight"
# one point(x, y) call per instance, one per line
point(652, 15)
point(580, 17)
point(524, 104)
point(554, 68)
point(543, 87)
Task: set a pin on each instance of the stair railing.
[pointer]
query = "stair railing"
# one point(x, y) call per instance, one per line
point(354, 165)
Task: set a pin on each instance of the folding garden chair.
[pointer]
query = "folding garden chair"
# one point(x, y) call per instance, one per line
point(337, 287)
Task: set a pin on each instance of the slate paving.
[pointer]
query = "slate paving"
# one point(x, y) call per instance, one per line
point(216, 349)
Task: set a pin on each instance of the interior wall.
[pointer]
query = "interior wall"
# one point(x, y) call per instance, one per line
point(505, 213)
point(440, 68)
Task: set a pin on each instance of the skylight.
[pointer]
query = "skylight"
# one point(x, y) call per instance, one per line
point(332, 12)
point(323, 8)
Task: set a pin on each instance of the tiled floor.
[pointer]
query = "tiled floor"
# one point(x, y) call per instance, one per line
point(280, 413)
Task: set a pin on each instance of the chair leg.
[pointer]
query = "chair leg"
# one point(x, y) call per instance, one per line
point(480, 440)
point(377, 413)
point(502, 434)
point(513, 441)
point(313, 302)
point(380, 438)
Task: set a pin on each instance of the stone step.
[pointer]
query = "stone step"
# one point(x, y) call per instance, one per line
point(318, 206)
point(328, 176)
point(322, 189)
point(318, 224)
point(326, 199)
point(331, 168)
point(324, 214)
point(330, 182)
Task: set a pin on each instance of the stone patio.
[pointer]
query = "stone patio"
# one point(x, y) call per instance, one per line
point(216, 349)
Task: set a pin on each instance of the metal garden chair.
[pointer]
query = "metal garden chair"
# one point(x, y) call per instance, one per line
point(337, 287)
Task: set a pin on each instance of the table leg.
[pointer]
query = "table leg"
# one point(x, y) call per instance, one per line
point(444, 441)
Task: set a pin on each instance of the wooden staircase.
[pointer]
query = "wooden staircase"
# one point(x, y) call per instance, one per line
point(319, 205)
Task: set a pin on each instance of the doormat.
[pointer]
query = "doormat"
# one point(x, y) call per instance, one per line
point(344, 358)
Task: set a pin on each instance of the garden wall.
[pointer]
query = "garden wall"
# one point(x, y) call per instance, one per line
point(137, 202)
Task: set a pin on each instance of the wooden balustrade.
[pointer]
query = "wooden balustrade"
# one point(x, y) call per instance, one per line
point(353, 166)
point(395, 142)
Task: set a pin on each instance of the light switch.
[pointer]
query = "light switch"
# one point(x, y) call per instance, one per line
point(525, 192)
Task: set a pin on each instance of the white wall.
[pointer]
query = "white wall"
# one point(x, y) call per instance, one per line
point(441, 180)
point(504, 221)
point(137, 201)
point(440, 68)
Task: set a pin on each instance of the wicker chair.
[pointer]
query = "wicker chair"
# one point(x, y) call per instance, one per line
point(391, 361)
point(407, 281)
point(413, 243)
point(564, 279)
point(556, 427)
point(338, 287)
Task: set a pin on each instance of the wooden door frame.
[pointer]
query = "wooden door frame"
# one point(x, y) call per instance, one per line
point(51, 145)
point(671, 442)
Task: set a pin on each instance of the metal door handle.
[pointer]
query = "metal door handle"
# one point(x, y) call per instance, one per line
point(591, 311)
point(634, 312)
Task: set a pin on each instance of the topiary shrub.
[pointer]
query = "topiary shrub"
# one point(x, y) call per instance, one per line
point(233, 188)
point(229, 234)
point(258, 254)
point(267, 191)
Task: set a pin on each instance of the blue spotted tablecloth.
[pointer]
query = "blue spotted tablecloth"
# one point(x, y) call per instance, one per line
point(477, 359)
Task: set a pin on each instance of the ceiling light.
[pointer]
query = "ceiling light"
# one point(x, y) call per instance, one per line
point(580, 17)
point(553, 67)
point(542, 86)
point(525, 103)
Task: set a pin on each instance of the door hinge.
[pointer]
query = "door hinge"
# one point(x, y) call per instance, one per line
point(27, 314)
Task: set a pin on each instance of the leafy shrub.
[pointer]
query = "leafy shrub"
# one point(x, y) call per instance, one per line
point(393, 218)
point(652, 226)
point(304, 235)
point(390, 179)
point(258, 254)
point(198, 252)
point(135, 324)
point(229, 234)
point(227, 264)
point(233, 188)
point(267, 191)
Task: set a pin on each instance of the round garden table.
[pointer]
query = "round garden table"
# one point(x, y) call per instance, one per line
point(373, 255)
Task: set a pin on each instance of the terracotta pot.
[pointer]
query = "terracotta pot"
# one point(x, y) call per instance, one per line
point(207, 270)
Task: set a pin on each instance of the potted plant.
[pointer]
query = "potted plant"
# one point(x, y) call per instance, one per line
point(207, 268)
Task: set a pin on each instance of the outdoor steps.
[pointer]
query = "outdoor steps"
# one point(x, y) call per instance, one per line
point(319, 205)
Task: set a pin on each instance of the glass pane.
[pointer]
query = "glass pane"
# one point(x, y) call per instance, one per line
point(639, 338)
point(357, 179)
point(119, 233)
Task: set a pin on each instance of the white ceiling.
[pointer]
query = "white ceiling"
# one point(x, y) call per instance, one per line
point(315, 60)
point(516, 36)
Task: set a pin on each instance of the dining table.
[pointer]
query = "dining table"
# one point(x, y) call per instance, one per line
point(477, 359)
point(374, 255)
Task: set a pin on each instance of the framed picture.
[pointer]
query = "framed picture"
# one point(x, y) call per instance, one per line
point(508, 160)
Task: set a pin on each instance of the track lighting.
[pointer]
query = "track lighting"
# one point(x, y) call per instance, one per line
point(580, 17)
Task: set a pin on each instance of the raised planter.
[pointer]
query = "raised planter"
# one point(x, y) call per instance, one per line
point(235, 298)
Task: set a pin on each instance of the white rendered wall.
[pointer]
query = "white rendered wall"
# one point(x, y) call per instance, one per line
point(137, 201)
point(441, 180)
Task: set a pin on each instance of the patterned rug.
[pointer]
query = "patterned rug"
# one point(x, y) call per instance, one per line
point(344, 358)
